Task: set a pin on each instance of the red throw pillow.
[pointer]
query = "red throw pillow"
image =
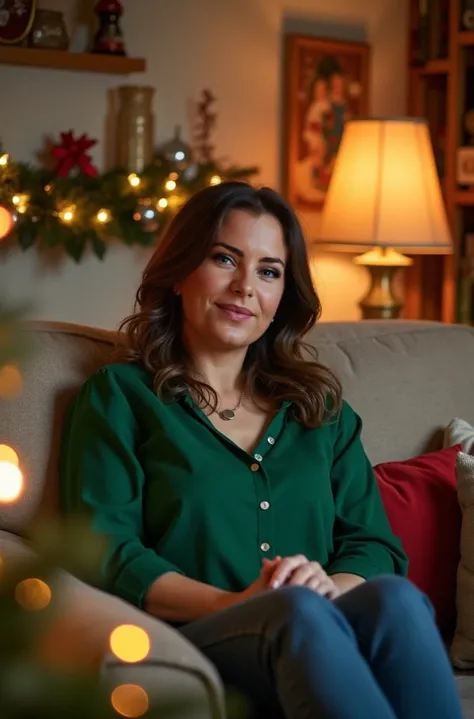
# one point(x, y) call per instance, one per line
point(420, 499)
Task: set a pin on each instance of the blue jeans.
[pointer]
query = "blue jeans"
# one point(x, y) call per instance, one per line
point(373, 653)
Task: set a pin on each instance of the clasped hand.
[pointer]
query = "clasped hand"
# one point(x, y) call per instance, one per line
point(293, 571)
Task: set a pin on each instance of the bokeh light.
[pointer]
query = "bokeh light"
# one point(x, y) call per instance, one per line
point(7, 454)
point(130, 643)
point(130, 700)
point(134, 180)
point(11, 482)
point(6, 222)
point(103, 216)
point(33, 594)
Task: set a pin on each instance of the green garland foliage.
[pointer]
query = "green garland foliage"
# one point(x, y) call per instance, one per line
point(39, 199)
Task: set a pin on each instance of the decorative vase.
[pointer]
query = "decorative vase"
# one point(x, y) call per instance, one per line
point(49, 31)
point(109, 39)
point(135, 127)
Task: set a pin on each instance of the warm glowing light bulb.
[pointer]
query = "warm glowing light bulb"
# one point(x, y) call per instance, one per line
point(21, 202)
point(170, 185)
point(4, 160)
point(33, 594)
point(103, 216)
point(68, 215)
point(163, 203)
point(215, 180)
point(173, 175)
point(130, 700)
point(11, 482)
point(7, 454)
point(130, 643)
point(134, 180)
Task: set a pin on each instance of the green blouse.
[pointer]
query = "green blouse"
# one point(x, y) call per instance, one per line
point(171, 493)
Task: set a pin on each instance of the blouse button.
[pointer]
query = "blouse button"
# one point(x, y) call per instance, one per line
point(264, 546)
point(264, 505)
point(258, 457)
point(254, 467)
point(271, 440)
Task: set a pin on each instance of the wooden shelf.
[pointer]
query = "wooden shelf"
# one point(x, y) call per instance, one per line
point(464, 198)
point(436, 67)
point(466, 37)
point(76, 62)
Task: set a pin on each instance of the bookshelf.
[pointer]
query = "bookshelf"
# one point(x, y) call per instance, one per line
point(441, 89)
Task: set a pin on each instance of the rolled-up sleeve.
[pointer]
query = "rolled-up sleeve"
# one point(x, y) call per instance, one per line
point(102, 479)
point(364, 543)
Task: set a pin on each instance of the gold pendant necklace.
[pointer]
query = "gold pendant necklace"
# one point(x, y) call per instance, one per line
point(229, 414)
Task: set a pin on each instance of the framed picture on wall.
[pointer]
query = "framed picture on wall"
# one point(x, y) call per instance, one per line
point(326, 84)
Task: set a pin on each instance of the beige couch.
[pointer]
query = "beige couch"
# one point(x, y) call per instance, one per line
point(407, 380)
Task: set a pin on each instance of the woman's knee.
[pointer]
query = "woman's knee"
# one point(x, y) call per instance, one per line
point(289, 606)
point(393, 592)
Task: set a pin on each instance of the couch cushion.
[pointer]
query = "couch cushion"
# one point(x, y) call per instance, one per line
point(64, 356)
point(421, 502)
point(407, 380)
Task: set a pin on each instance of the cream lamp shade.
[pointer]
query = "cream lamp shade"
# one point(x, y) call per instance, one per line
point(384, 190)
point(384, 196)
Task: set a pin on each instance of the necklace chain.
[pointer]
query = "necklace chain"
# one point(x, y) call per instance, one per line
point(228, 414)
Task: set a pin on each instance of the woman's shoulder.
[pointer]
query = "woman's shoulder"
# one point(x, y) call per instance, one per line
point(119, 377)
point(337, 410)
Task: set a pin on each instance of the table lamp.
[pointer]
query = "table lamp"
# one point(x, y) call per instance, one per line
point(384, 194)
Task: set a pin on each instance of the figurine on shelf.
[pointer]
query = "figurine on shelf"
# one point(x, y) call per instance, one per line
point(109, 38)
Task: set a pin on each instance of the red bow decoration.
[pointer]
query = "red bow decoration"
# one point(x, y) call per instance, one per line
point(71, 153)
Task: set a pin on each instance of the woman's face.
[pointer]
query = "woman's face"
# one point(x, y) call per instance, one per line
point(231, 298)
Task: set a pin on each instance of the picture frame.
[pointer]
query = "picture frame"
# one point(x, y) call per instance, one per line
point(326, 83)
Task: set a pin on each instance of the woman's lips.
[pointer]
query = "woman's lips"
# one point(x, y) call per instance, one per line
point(234, 312)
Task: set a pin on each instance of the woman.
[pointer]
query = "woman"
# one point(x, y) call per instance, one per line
point(229, 477)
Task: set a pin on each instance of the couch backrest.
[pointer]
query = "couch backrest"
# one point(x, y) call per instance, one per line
point(406, 379)
point(63, 356)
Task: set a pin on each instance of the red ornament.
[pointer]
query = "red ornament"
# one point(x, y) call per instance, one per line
point(71, 153)
point(109, 6)
point(109, 38)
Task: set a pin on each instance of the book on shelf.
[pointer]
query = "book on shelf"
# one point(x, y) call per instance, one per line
point(466, 282)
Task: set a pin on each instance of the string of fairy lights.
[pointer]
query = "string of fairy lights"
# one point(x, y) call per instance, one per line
point(77, 211)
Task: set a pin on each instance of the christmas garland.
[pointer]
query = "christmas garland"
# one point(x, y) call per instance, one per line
point(73, 206)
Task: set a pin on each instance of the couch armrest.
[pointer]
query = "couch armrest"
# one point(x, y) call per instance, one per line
point(80, 631)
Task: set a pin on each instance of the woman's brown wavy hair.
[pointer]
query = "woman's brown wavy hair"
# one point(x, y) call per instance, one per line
point(279, 365)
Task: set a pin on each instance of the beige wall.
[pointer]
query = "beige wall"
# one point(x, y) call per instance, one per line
point(235, 48)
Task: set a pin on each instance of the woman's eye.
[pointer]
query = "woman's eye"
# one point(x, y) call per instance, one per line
point(271, 273)
point(223, 259)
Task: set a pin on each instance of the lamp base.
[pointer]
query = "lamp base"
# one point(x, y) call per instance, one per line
point(381, 303)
